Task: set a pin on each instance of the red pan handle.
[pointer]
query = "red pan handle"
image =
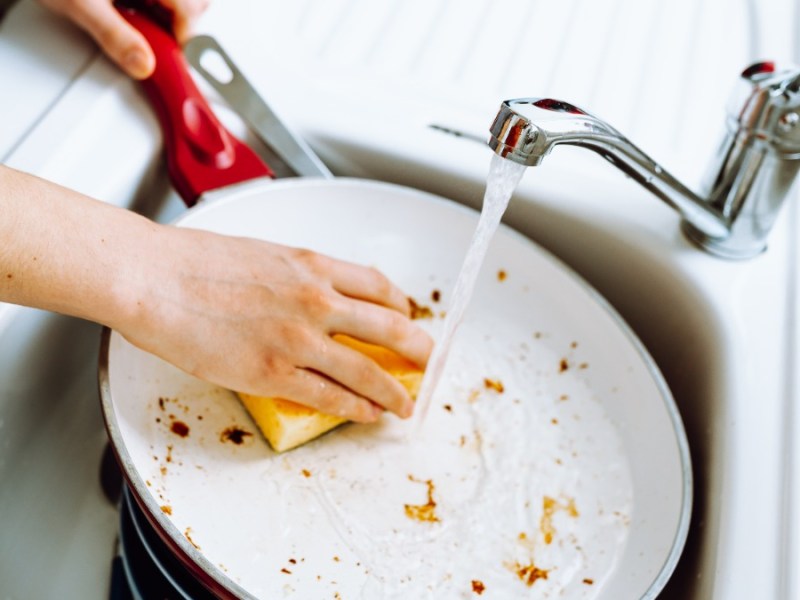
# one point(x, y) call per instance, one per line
point(202, 155)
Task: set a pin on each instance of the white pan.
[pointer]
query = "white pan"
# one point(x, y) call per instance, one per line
point(553, 462)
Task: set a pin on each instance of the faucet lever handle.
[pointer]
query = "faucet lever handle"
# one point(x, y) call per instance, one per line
point(766, 105)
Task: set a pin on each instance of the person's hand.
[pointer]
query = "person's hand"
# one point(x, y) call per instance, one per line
point(248, 315)
point(258, 317)
point(118, 39)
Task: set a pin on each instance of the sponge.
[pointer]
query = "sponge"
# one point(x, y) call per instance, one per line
point(287, 425)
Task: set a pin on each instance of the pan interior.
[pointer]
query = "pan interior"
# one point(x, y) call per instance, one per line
point(552, 462)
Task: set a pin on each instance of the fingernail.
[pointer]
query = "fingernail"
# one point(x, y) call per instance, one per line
point(137, 63)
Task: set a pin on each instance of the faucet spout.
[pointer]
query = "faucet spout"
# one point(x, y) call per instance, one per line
point(746, 182)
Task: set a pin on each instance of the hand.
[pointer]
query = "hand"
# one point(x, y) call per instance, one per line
point(258, 318)
point(121, 42)
point(248, 315)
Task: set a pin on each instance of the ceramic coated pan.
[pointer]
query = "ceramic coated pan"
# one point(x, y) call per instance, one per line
point(553, 460)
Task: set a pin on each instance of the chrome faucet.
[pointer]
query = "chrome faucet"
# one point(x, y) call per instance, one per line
point(745, 184)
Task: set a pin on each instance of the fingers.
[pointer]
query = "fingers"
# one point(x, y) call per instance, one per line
point(185, 13)
point(117, 38)
point(317, 391)
point(377, 325)
point(121, 42)
point(369, 284)
point(363, 376)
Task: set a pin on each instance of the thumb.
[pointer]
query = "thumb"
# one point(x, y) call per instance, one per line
point(119, 40)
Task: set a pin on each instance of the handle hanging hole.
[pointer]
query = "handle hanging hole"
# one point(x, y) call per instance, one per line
point(216, 66)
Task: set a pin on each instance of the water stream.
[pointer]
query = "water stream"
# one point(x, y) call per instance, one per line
point(503, 178)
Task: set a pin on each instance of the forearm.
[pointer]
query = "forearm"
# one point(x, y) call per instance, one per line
point(64, 252)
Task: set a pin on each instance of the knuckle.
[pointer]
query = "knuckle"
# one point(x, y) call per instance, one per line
point(396, 326)
point(273, 367)
point(314, 300)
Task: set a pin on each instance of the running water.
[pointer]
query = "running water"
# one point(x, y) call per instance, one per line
point(502, 180)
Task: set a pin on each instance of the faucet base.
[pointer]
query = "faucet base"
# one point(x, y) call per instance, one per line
point(721, 247)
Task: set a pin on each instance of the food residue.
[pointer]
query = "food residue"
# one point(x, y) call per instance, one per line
point(478, 587)
point(179, 428)
point(285, 570)
point(588, 581)
point(529, 574)
point(549, 507)
point(188, 535)
point(419, 311)
point(563, 365)
point(234, 434)
point(436, 295)
point(166, 509)
point(448, 407)
point(423, 512)
point(501, 275)
point(493, 384)
point(306, 473)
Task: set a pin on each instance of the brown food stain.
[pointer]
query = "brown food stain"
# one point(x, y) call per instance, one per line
point(501, 275)
point(588, 581)
point(188, 535)
point(419, 311)
point(448, 407)
point(549, 507)
point(306, 473)
point(478, 587)
point(234, 434)
point(166, 509)
point(285, 570)
point(493, 384)
point(563, 365)
point(529, 574)
point(179, 428)
point(423, 512)
point(436, 295)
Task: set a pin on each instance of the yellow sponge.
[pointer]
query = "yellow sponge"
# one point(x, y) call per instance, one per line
point(287, 424)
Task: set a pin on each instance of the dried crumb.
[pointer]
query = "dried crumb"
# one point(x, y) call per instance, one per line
point(530, 573)
point(436, 295)
point(285, 570)
point(501, 275)
point(563, 365)
point(423, 512)
point(166, 509)
point(419, 311)
point(448, 407)
point(549, 507)
point(306, 473)
point(588, 581)
point(234, 434)
point(188, 535)
point(478, 587)
point(493, 384)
